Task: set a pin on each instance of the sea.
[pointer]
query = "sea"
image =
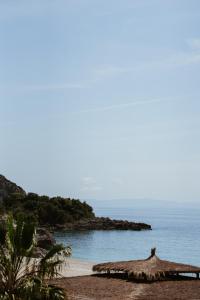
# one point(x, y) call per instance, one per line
point(175, 232)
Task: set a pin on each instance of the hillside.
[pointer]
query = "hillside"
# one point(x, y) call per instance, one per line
point(8, 187)
point(57, 212)
point(42, 209)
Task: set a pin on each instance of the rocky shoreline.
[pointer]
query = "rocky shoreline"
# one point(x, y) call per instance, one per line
point(45, 237)
point(102, 223)
point(13, 198)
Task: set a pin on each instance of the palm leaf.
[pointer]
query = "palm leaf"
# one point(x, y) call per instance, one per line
point(55, 250)
point(10, 233)
point(22, 278)
point(28, 237)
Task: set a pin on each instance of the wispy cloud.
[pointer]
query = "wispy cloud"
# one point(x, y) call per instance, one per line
point(102, 73)
point(49, 87)
point(178, 60)
point(123, 105)
point(110, 70)
point(89, 184)
point(43, 87)
point(175, 60)
point(105, 72)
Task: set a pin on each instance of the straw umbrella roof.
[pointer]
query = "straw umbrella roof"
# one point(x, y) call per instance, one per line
point(151, 268)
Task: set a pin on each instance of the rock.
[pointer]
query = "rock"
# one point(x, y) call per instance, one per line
point(45, 239)
point(59, 226)
point(106, 224)
point(8, 187)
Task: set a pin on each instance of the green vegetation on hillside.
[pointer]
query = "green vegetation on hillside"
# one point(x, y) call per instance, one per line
point(45, 210)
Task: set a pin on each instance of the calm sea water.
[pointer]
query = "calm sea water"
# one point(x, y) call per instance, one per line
point(175, 233)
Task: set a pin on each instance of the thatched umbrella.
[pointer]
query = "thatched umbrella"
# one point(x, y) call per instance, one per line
point(152, 268)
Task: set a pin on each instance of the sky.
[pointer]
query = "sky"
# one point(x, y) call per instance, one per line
point(101, 99)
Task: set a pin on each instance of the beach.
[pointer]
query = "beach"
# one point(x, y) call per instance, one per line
point(81, 283)
point(104, 288)
point(75, 267)
point(169, 225)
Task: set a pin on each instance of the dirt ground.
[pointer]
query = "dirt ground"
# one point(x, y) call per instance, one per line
point(174, 290)
point(103, 288)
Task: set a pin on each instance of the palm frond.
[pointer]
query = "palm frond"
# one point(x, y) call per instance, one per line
point(28, 237)
point(10, 234)
point(23, 278)
point(55, 250)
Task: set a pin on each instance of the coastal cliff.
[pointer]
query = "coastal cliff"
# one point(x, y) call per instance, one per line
point(57, 213)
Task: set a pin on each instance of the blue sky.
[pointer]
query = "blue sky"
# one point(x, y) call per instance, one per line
point(101, 99)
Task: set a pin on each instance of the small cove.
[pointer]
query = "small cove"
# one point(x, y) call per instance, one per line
point(175, 233)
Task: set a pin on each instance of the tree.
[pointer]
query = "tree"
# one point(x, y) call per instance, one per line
point(21, 276)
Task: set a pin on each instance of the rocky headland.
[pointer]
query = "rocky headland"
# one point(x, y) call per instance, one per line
point(101, 223)
point(56, 213)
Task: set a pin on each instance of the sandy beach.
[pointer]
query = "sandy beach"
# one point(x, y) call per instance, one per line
point(102, 288)
point(75, 267)
point(79, 284)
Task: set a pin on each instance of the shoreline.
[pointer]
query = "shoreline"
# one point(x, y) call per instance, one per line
point(74, 267)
